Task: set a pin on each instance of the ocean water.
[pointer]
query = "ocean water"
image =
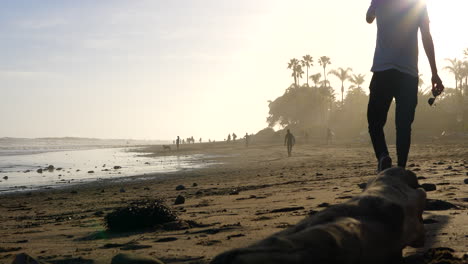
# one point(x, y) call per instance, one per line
point(79, 163)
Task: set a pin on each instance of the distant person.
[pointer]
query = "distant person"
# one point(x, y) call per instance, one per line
point(247, 140)
point(330, 135)
point(192, 139)
point(306, 136)
point(178, 142)
point(289, 142)
point(229, 138)
point(200, 140)
point(395, 69)
point(234, 136)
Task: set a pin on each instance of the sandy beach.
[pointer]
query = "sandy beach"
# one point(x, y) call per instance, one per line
point(248, 194)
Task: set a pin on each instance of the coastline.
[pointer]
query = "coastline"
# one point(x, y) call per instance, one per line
point(236, 198)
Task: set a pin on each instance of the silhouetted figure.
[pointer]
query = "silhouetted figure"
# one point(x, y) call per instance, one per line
point(178, 142)
point(395, 69)
point(234, 136)
point(229, 138)
point(193, 140)
point(200, 140)
point(306, 136)
point(329, 136)
point(289, 142)
point(247, 139)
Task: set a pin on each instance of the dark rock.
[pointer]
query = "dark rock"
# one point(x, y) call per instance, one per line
point(133, 259)
point(180, 187)
point(9, 249)
point(416, 169)
point(466, 180)
point(449, 168)
point(25, 258)
point(421, 178)
point(318, 174)
point(438, 205)
point(166, 239)
point(236, 235)
point(133, 246)
point(234, 192)
point(73, 192)
point(147, 163)
point(58, 169)
point(179, 200)
point(362, 186)
point(39, 171)
point(429, 187)
point(50, 167)
point(324, 205)
point(117, 167)
point(90, 171)
point(194, 184)
point(287, 209)
point(5, 177)
point(412, 165)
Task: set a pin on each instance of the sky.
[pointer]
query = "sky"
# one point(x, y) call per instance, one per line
point(157, 69)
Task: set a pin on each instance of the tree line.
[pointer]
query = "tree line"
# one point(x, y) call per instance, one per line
point(310, 108)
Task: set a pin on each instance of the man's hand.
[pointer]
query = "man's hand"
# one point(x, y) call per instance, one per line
point(437, 86)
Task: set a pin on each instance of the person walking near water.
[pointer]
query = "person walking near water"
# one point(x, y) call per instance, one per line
point(395, 72)
point(178, 142)
point(289, 142)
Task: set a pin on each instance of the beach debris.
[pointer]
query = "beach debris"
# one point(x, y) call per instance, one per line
point(179, 200)
point(50, 167)
point(117, 167)
point(438, 205)
point(180, 187)
point(39, 171)
point(139, 215)
point(5, 177)
point(429, 187)
point(132, 259)
point(25, 258)
point(91, 171)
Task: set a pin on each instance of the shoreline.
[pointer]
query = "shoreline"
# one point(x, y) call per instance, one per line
point(236, 199)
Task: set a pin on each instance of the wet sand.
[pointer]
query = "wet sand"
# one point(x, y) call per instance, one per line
point(251, 193)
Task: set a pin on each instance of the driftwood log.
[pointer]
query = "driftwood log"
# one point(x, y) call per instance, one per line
point(372, 227)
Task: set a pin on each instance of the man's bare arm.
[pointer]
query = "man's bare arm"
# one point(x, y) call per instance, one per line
point(437, 86)
point(370, 16)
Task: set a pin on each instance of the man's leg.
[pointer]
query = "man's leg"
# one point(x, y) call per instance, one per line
point(406, 98)
point(380, 98)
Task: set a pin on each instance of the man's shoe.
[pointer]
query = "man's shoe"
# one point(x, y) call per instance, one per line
point(385, 162)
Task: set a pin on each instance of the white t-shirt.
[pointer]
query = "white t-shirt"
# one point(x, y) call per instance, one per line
point(398, 22)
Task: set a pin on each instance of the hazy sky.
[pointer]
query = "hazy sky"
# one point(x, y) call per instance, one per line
point(155, 69)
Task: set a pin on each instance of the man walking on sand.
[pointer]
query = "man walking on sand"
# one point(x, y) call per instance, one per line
point(395, 69)
point(289, 142)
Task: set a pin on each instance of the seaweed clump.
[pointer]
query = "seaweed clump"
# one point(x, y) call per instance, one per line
point(139, 215)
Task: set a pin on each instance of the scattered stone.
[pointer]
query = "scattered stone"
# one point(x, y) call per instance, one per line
point(179, 200)
point(50, 167)
point(133, 259)
point(234, 192)
point(146, 188)
point(58, 169)
point(117, 167)
point(449, 168)
point(166, 239)
point(318, 174)
point(466, 180)
point(99, 213)
point(25, 258)
point(194, 184)
point(180, 187)
point(429, 187)
point(324, 205)
point(287, 209)
point(412, 165)
point(236, 235)
point(39, 171)
point(5, 177)
point(90, 171)
point(147, 163)
point(9, 249)
point(362, 186)
point(26, 171)
point(421, 178)
point(416, 169)
point(438, 205)
point(133, 246)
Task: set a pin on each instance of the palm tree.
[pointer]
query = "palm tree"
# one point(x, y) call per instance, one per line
point(324, 61)
point(343, 75)
point(293, 66)
point(316, 78)
point(357, 80)
point(307, 61)
point(455, 68)
point(299, 72)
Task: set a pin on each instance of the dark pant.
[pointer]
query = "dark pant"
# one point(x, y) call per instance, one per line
point(385, 86)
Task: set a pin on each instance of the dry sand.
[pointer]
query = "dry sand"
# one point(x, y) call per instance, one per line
point(251, 193)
